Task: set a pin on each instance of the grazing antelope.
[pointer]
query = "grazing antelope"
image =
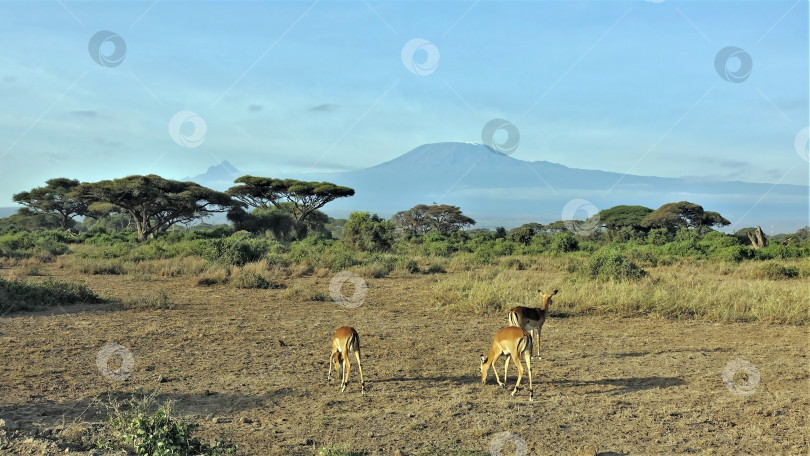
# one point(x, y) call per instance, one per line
point(345, 341)
point(511, 341)
point(531, 319)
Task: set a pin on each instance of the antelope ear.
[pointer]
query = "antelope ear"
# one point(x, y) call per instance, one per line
point(483, 360)
point(539, 290)
point(555, 292)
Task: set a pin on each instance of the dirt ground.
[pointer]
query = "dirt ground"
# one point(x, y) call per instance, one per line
point(251, 365)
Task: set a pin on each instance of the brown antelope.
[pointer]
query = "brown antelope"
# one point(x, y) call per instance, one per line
point(531, 319)
point(511, 341)
point(345, 341)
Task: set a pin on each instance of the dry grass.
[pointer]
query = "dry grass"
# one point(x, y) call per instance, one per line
point(174, 267)
point(678, 291)
point(96, 266)
point(214, 275)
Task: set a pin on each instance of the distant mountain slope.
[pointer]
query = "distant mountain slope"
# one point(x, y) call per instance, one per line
point(218, 177)
point(496, 189)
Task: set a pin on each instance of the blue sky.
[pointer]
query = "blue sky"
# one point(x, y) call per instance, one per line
point(290, 87)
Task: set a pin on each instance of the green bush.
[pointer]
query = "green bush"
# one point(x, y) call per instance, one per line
point(521, 235)
point(718, 240)
point(733, 254)
point(18, 295)
point(236, 250)
point(368, 233)
point(643, 254)
point(776, 271)
point(540, 243)
point(248, 279)
point(779, 252)
point(658, 236)
point(338, 258)
point(159, 433)
point(503, 247)
point(41, 244)
point(439, 248)
point(687, 247)
point(611, 265)
point(101, 235)
point(564, 242)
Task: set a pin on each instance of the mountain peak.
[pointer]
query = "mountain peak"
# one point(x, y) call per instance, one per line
point(447, 154)
point(217, 177)
point(224, 166)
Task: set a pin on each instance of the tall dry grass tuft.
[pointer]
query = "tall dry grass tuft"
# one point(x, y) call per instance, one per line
point(97, 266)
point(174, 267)
point(252, 275)
point(214, 275)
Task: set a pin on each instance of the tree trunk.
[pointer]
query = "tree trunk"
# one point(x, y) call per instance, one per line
point(758, 239)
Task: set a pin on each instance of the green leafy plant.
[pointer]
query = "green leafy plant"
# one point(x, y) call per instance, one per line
point(340, 450)
point(133, 426)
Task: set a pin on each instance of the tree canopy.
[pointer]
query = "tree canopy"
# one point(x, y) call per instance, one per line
point(155, 204)
point(683, 214)
point(618, 217)
point(304, 198)
point(524, 233)
point(55, 199)
point(441, 218)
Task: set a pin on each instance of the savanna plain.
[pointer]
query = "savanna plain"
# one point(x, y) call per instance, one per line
point(239, 354)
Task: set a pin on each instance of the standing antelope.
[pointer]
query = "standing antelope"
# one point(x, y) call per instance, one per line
point(511, 341)
point(345, 341)
point(531, 319)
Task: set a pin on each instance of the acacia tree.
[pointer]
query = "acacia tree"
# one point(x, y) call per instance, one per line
point(618, 217)
point(153, 203)
point(442, 218)
point(54, 200)
point(301, 199)
point(414, 221)
point(524, 233)
point(683, 214)
point(711, 218)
